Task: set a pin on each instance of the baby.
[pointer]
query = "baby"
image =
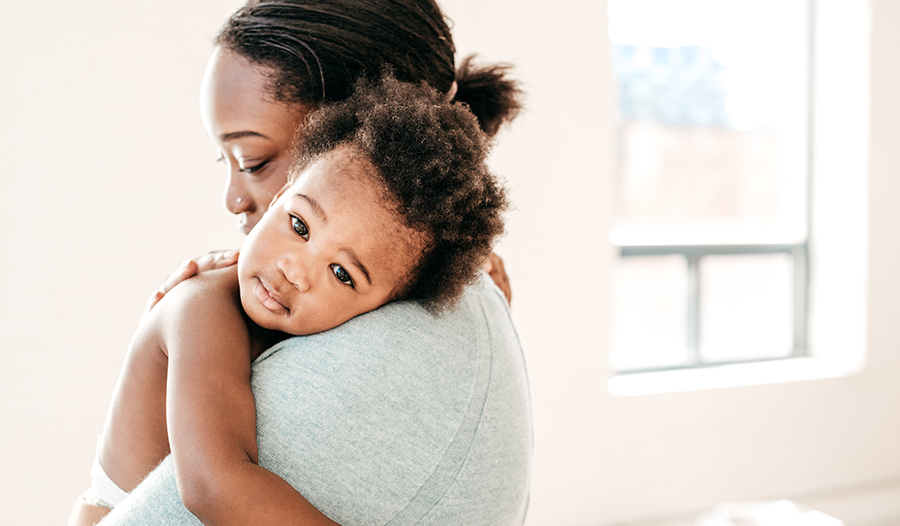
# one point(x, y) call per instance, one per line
point(389, 198)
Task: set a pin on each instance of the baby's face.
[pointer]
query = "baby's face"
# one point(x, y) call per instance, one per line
point(325, 251)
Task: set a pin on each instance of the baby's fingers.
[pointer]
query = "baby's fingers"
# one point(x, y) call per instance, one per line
point(493, 265)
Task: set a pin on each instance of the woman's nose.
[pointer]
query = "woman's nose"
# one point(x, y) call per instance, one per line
point(296, 272)
point(237, 200)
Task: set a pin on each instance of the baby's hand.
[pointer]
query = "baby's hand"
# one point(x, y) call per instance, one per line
point(493, 265)
point(191, 267)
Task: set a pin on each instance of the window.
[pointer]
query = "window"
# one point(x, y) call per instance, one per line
point(741, 141)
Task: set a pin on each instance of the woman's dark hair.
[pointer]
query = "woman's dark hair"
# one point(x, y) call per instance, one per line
point(317, 49)
point(429, 157)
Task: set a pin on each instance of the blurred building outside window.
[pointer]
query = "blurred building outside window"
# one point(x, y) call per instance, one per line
point(712, 215)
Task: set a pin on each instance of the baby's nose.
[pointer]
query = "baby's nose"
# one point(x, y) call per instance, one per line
point(296, 272)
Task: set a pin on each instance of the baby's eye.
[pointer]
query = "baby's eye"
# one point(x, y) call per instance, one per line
point(300, 227)
point(342, 275)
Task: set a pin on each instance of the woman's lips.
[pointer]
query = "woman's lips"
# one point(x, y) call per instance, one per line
point(268, 298)
point(244, 224)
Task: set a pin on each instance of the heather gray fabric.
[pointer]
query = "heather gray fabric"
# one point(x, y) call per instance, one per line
point(394, 418)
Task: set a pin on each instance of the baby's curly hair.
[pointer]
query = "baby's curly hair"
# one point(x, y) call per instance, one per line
point(429, 154)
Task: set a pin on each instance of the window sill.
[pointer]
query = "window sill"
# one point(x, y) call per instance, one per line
point(732, 375)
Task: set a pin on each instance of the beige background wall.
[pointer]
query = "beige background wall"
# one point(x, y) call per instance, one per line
point(110, 182)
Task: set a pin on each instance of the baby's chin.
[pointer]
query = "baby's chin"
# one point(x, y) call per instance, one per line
point(259, 315)
point(267, 321)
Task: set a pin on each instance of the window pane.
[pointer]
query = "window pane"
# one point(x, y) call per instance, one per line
point(713, 120)
point(649, 304)
point(746, 307)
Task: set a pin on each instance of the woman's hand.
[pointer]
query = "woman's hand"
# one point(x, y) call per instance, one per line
point(191, 267)
point(494, 267)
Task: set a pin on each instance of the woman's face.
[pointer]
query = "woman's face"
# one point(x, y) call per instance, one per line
point(254, 134)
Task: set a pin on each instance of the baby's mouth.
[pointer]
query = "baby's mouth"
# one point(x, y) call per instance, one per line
point(269, 297)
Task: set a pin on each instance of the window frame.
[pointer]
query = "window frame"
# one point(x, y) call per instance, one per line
point(693, 254)
point(838, 236)
point(799, 251)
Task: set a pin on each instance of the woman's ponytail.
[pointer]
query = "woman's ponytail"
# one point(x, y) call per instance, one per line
point(491, 96)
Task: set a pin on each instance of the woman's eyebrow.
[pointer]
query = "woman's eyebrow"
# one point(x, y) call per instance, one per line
point(225, 137)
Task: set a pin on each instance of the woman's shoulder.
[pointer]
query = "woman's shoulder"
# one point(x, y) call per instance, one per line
point(403, 351)
point(445, 392)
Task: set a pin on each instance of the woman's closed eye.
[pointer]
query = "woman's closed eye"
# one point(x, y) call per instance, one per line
point(342, 275)
point(300, 227)
point(252, 169)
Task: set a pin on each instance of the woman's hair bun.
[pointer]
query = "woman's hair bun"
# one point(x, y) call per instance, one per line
point(490, 94)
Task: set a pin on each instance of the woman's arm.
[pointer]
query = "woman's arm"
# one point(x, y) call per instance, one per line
point(211, 415)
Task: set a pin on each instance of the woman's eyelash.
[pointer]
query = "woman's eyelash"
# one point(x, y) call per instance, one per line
point(253, 169)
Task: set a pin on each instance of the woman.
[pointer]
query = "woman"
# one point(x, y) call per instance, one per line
point(395, 417)
point(343, 41)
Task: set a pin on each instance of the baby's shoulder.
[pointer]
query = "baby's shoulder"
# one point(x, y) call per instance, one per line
point(213, 293)
point(202, 312)
point(210, 285)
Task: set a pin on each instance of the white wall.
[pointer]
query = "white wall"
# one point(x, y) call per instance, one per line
point(662, 458)
point(110, 182)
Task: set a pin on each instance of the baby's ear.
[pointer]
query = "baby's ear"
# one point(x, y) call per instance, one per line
point(279, 194)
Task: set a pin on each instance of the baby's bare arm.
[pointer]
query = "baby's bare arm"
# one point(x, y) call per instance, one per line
point(211, 413)
point(134, 437)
